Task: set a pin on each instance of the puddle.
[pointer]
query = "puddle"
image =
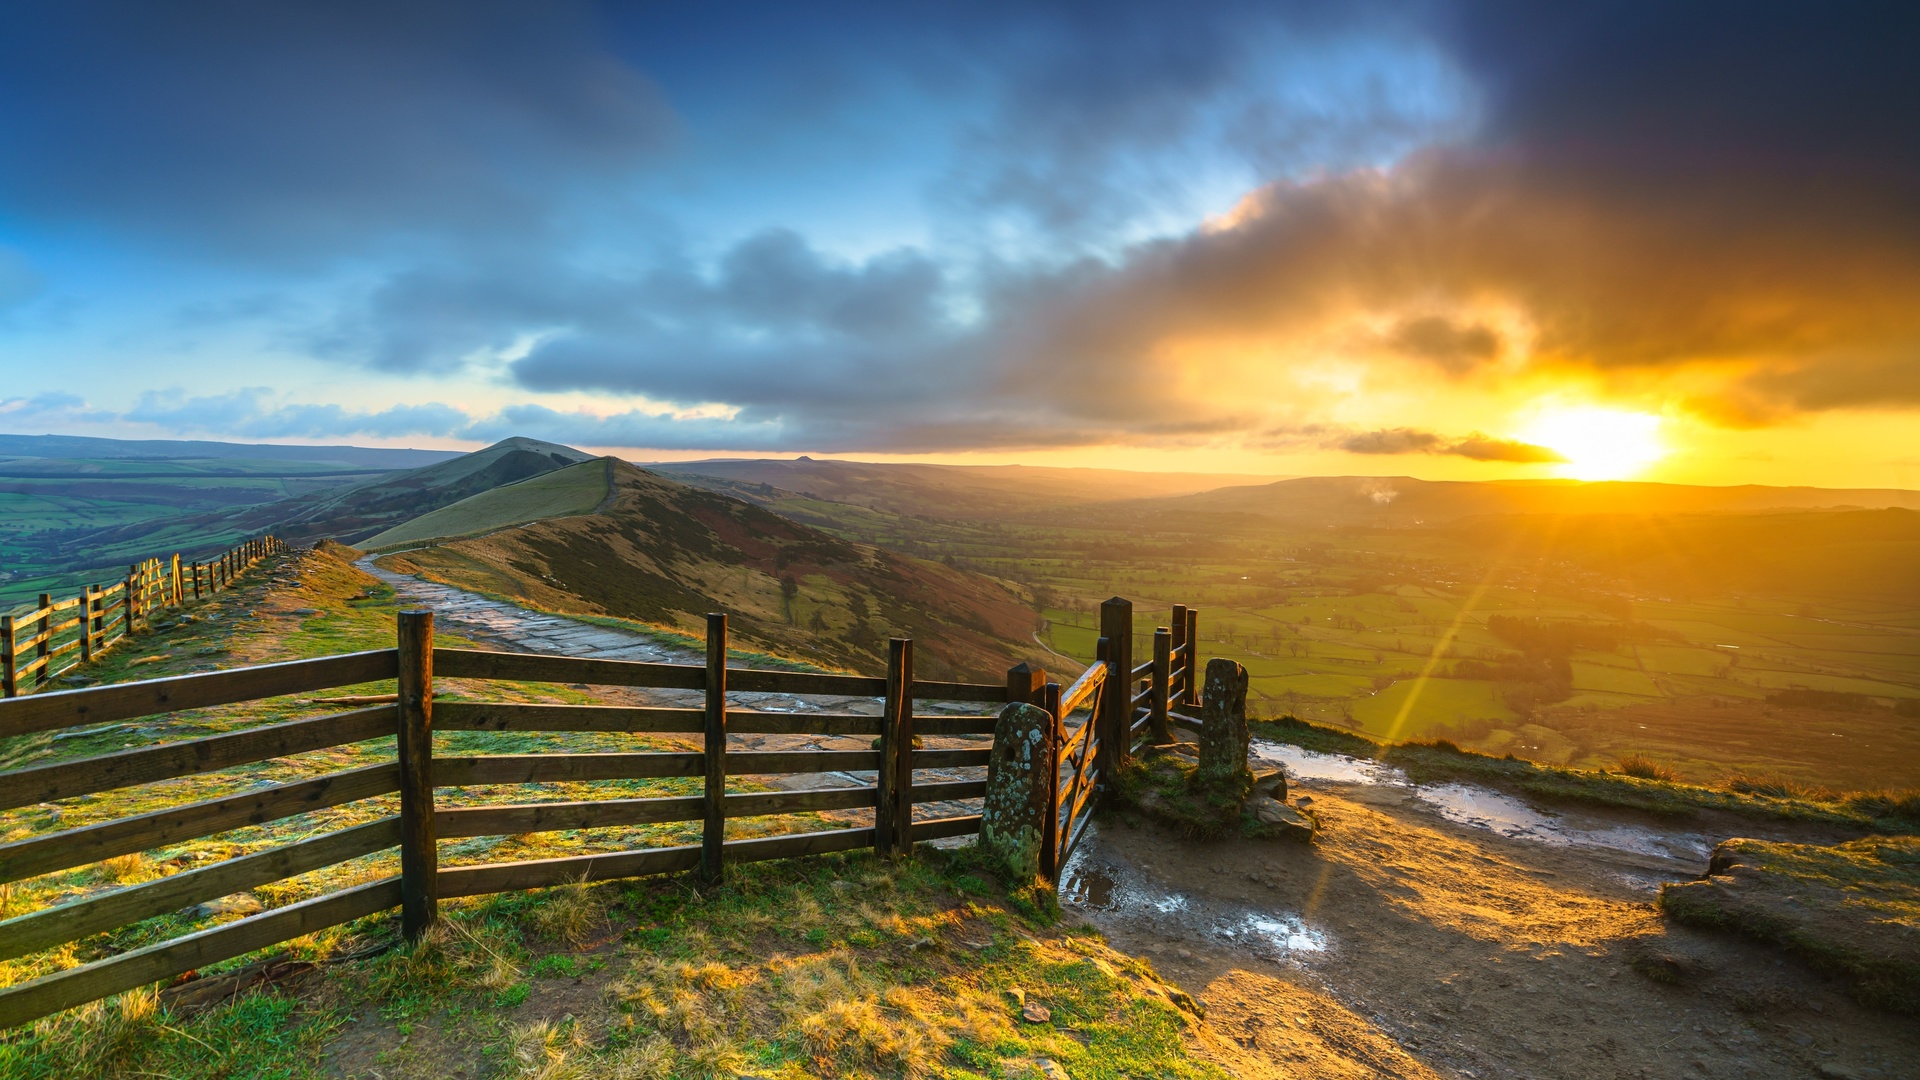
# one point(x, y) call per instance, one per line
point(1314, 765)
point(1510, 817)
point(1464, 804)
point(1116, 895)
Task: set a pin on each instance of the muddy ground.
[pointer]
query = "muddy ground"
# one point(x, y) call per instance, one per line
point(1415, 940)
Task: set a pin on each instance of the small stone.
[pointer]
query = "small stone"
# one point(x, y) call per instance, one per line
point(1272, 783)
point(1833, 1070)
point(1035, 1013)
point(305, 611)
point(1304, 800)
point(1284, 820)
point(1050, 1070)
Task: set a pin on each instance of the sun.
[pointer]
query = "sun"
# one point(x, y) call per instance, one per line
point(1599, 444)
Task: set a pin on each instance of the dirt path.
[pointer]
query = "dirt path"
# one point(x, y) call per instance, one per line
point(1439, 936)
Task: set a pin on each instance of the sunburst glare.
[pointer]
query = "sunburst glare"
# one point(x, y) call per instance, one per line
point(1599, 444)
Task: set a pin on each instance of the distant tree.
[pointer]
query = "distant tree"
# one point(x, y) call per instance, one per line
point(818, 622)
point(789, 589)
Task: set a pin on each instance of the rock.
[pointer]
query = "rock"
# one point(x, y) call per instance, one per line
point(239, 903)
point(1284, 820)
point(305, 611)
point(1833, 1070)
point(1050, 1070)
point(1224, 738)
point(1035, 1013)
point(1014, 812)
point(1272, 783)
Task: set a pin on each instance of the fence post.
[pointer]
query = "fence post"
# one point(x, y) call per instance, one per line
point(714, 835)
point(86, 623)
point(1193, 658)
point(133, 582)
point(1178, 624)
point(1116, 625)
point(9, 659)
point(1024, 682)
point(43, 652)
point(1162, 671)
point(419, 855)
point(178, 598)
point(893, 815)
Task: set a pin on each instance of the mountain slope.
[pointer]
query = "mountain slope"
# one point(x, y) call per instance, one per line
point(663, 553)
point(576, 489)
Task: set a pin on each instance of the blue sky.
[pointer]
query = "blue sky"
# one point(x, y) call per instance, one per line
point(1271, 237)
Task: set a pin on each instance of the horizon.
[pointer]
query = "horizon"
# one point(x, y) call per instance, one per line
point(1453, 242)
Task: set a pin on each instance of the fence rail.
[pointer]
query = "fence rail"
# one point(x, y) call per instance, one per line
point(418, 772)
point(1098, 722)
point(34, 639)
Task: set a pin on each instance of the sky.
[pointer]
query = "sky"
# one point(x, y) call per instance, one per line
point(1454, 240)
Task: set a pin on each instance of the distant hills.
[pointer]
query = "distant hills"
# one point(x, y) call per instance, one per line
point(946, 491)
point(626, 542)
point(1401, 501)
point(81, 446)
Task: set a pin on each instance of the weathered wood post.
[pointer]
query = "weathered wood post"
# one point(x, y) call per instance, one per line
point(89, 618)
point(43, 641)
point(1194, 679)
point(9, 658)
point(179, 596)
point(1178, 625)
point(713, 836)
point(1116, 625)
point(893, 811)
point(1024, 682)
point(419, 855)
point(1056, 734)
point(133, 607)
point(1162, 672)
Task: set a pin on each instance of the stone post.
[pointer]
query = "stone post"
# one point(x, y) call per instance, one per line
point(1223, 722)
point(1014, 818)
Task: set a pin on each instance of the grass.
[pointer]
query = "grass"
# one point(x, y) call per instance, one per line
point(1887, 811)
point(576, 489)
point(1847, 908)
point(1170, 788)
point(843, 965)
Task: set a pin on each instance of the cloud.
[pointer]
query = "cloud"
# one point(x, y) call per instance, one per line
point(252, 412)
point(1476, 446)
point(304, 131)
point(55, 408)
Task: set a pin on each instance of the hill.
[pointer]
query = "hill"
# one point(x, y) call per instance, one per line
point(576, 489)
point(942, 491)
point(660, 552)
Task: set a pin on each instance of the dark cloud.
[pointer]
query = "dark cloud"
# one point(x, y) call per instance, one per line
point(1477, 446)
point(1452, 346)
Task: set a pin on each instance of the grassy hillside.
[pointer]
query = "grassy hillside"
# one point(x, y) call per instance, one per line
point(665, 554)
point(839, 965)
point(576, 489)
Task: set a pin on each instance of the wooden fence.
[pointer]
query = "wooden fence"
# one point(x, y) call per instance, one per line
point(36, 638)
point(1107, 704)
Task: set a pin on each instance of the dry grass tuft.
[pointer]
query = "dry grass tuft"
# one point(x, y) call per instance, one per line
point(1779, 787)
point(104, 1037)
point(1646, 768)
point(570, 912)
point(125, 869)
